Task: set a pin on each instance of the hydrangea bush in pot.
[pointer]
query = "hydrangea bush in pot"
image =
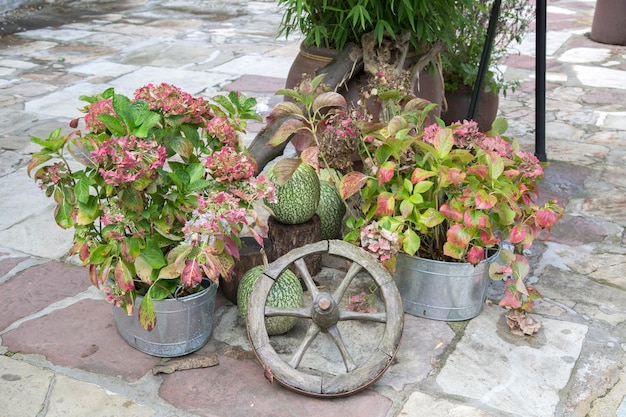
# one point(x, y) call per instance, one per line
point(449, 193)
point(158, 188)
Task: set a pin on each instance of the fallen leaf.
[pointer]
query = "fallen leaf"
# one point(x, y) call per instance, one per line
point(89, 351)
point(267, 372)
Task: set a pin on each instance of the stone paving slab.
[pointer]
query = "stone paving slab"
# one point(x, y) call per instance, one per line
point(26, 386)
point(541, 365)
point(420, 404)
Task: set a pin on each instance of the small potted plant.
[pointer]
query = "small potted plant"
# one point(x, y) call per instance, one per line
point(461, 59)
point(158, 189)
point(449, 195)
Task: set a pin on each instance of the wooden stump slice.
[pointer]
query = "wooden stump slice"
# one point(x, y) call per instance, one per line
point(285, 237)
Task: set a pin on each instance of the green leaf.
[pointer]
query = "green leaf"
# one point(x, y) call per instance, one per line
point(443, 143)
point(38, 159)
point(227, 103)
point(406, 208)
point(453, 251)
point(422, 186)
point(88, 212)
point(181, 145)
point(411, 242)
point(431, 218)
point(196, 172)
point(113, 125)
point(506, 214)
point(153, 255)
point(383, 153)
point(81, 189)
point(98, 254)
point(64, 214)
point(500, 126)
point(521, 267)
point(496, 165)
point(163, 289)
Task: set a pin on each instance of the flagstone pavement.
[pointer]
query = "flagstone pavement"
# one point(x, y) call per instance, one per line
point(60, 354)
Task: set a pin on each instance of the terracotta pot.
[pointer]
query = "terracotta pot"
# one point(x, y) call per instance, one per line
point(310, 59)
point(609, 22)
point(459, 103)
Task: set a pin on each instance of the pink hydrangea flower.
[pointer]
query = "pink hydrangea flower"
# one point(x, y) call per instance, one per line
point(220, 128)
point(96, 109)
point(127, 159)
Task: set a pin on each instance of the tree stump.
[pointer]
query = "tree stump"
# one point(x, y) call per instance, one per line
point(249, 256)
point(285, 237)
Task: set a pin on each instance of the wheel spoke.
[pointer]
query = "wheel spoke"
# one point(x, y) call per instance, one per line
point(341, 289)
point(355, 315)
point(311, 334)
point(291, 312)
point(306, 276)
point(333, 331)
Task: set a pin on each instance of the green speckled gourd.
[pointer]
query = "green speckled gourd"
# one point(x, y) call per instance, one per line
point(331, 210)
point(297, 199)
point(286, 292)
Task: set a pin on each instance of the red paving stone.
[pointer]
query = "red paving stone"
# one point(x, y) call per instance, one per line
point(237, 388)
point(603, 97)
point(256, 83)
point(39, 286)
point(8, 264)
point(576, 231)
point(528, 62)
point(81, 336)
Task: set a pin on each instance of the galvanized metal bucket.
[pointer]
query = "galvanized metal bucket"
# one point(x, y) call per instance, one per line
point(437, 290)
point(183, 325)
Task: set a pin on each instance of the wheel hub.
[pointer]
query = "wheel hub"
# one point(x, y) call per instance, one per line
point(324, 311)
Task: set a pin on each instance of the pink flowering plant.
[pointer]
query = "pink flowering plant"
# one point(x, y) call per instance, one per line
point(158, 189)
point(449, 193)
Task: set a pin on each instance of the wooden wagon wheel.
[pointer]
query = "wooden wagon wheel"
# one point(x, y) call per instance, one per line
point(324, 315)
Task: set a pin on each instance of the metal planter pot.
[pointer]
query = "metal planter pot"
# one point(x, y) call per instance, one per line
point(437, 290)
point(183, 325)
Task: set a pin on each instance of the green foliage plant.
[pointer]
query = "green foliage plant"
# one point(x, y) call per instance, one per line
point(461, 59)
point(333, 23)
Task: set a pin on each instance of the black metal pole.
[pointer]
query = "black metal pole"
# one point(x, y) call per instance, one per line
point(540, 83)
point(484, 58)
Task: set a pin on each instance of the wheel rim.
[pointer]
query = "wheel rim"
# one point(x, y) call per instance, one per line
point(324, 314)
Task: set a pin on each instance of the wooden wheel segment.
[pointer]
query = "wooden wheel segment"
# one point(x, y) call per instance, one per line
point(324, 314)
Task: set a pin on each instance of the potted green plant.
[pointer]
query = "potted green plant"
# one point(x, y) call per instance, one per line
point(158, 189)
point(449, 194)
point(461, 59)
point(410, 33)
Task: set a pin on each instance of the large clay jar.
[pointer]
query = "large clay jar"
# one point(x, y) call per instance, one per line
point(458, 106)
point(310, 59)
point(609, 22)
